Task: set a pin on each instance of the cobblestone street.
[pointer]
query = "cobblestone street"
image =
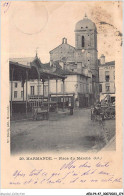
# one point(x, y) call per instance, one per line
point(62, 133)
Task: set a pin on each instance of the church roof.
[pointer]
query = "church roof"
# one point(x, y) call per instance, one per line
point(85, 24)
point(67, 72)
point(60, 46)
point(45, 70)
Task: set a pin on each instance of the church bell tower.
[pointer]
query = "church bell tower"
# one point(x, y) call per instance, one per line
point(86, 42)
point(86, 47)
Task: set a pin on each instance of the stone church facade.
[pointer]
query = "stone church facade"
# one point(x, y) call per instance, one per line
point(81, 59)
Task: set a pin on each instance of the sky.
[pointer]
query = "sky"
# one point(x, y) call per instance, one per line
point(42, 25)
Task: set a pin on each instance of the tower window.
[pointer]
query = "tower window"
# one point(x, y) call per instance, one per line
point(82, 41)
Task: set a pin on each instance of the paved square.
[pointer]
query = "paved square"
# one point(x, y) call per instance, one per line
point(61, 133)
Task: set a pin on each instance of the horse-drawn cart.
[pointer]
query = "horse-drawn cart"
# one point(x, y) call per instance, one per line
point(103, 112)
point(108, 112)
point(40, 113)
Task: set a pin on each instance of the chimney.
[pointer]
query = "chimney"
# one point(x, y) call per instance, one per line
point(102, 59)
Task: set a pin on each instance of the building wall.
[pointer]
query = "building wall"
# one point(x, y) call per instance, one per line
point(89, 39)
point(112, 88)
point(69, 85)
point(103, 71)
point(89, 53)
point(53, 86)
point(63, 52)
point(73, 84)
point(19, 89)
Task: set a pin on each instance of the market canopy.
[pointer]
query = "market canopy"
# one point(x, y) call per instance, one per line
point(19, 67)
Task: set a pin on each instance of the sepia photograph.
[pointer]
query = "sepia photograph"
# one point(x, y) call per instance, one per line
point(62, 78)
point(61, 96)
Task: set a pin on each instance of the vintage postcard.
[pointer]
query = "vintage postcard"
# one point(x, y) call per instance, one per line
point(61, 95)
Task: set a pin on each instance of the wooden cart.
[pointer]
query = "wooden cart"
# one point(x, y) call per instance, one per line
point(40, 113)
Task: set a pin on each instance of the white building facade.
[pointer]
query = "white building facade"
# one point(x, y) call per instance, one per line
point(106, 78)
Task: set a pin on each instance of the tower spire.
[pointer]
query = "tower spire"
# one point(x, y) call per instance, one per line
point(36, 51)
